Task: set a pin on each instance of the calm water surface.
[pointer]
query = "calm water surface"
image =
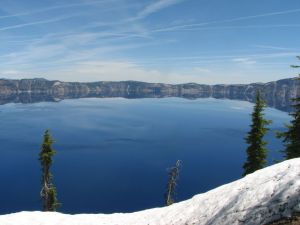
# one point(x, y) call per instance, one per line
point(112, 154)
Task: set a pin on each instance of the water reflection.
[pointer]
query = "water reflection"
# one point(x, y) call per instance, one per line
point(281, 102)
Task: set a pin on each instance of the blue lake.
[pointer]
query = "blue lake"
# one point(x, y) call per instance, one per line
point(113, 154)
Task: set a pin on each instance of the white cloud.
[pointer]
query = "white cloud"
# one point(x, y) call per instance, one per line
point(246, 61)
point(204, 25)
point(10, 72)
point(107, 71)
point(115, 71)
point(201, 70)
point(271, 47)
point(156, 6)
point(120, 70)
point(63, 6)
point(87, 53)
point(37, 23)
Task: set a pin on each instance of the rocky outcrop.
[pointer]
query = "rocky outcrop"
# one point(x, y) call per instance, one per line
point(277, 93)
point(293, 220)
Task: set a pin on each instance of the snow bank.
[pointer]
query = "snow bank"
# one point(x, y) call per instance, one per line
point(259, 198)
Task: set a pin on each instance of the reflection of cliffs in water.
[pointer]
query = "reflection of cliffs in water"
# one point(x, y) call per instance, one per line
point(277, 94)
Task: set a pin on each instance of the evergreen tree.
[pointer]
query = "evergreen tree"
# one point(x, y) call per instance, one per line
point(48, 192)
point(256, 151)
point(172, 183)
point(291, 138)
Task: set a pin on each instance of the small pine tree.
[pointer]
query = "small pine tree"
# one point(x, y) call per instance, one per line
point(48, 193)
point(256, 151)
point(291, 138)
point(172, 183)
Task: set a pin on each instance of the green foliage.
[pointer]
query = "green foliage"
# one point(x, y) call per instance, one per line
point(48, 192)
point(172, 183)
point(53, 202)
point(256, 151)
point(47, 151)
point(291, 138)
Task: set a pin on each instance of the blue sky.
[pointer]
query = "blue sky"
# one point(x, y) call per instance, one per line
point(172, 41)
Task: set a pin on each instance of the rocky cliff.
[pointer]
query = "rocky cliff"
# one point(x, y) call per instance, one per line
point(277, 93)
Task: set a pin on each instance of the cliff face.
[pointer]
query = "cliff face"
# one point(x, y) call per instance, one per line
point(277, 93)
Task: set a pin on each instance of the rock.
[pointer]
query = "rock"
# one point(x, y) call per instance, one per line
point(277, 94)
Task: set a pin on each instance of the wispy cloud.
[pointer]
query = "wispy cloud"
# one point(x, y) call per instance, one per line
point(37, 22)
point(142, 14)
point(288, 26)
point(201, 70)
point(116, 45)
point(244, 61)
point(194, 26)
point(271, 47)
point(68, 49)
point(216, 57)
point(47, 9)
point(259, 16)
point(156, 6)
point(119, 70)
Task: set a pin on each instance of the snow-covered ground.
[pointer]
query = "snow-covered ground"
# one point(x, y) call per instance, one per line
point(257, 199)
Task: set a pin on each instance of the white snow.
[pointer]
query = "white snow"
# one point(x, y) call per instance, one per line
point(259, 198)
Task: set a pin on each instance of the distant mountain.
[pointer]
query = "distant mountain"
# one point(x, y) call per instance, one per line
point(276, 93)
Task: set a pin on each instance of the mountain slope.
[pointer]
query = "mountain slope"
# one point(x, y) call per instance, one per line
point(259, 198)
